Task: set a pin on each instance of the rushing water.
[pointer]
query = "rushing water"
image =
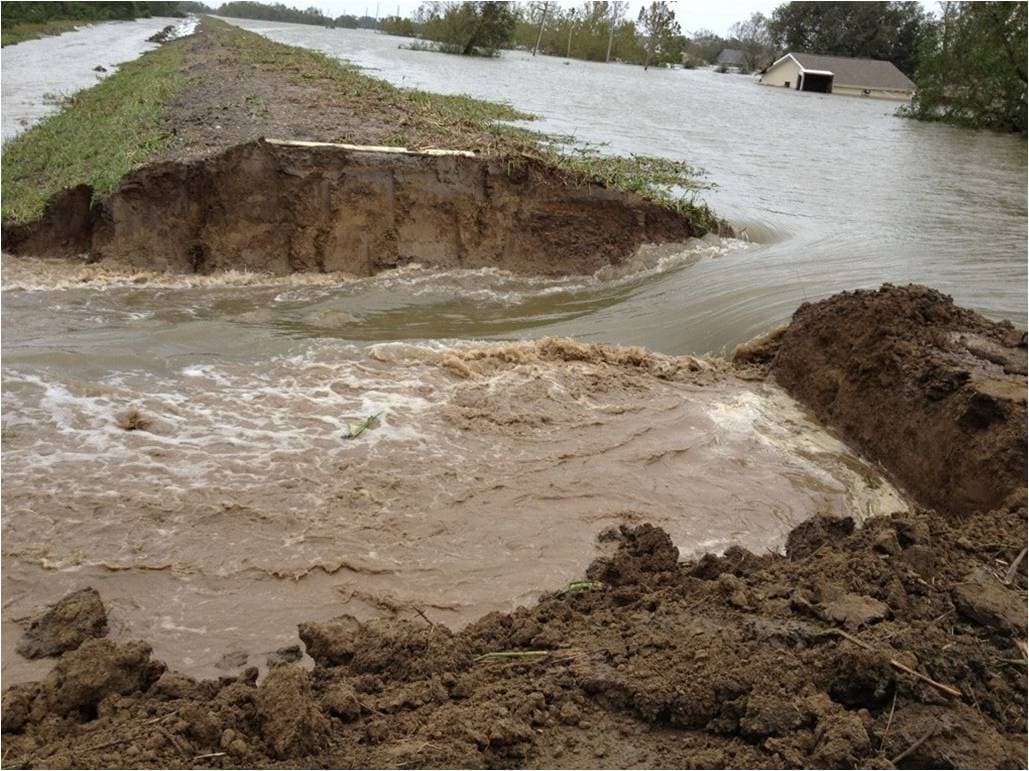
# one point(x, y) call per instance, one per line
point(240, 509)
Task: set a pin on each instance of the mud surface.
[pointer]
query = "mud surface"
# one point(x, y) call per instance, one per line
point(724, 662)
point(933, 392)
point(282, 209)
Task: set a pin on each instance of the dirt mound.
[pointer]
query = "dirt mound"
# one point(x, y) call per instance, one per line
point(282, 209)
point(934, 392)
point(76, 618)
point(732, 661)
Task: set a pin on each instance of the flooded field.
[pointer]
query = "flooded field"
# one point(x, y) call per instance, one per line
point(236, 506)
point(38, 74)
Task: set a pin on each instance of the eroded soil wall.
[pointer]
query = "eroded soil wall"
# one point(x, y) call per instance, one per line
point(934, 392)
point(282, 209)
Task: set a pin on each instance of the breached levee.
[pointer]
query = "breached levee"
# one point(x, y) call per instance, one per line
point(282, 207)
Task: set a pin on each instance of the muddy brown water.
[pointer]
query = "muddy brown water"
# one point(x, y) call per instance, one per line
point(242, 509)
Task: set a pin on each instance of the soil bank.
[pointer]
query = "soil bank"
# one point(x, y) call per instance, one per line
point(897, 644)
point(213, 196)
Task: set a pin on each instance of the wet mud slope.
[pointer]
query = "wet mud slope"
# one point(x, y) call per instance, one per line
point(896, 644)
point(933, 392)
point(285, 208)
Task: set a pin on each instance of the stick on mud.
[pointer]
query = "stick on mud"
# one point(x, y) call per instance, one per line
point(899, 665)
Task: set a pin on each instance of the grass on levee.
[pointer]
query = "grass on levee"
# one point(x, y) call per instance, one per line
point(19, 33)
point(102, 133)
point(344, 81)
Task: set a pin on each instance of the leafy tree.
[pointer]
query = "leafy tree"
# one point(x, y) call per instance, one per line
point(873, 30)
point(661, 33)
point(597, 31)
point(614, 13)
point(395, 25)
point(703, 47)
point(468, 28)
point(972, 67)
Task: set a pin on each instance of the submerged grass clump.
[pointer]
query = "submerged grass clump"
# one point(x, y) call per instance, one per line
point(134, 420)
point(102, 133)
point(674, 184)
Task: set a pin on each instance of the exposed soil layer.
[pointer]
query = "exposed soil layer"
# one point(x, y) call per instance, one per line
point(898, 644)
point(281, 209)
point(933, 392)
point(725, 662)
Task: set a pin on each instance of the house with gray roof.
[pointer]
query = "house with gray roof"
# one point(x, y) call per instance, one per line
point(838, 75)
point(732, 57)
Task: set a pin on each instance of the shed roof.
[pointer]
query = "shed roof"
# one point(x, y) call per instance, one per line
point(847, 71)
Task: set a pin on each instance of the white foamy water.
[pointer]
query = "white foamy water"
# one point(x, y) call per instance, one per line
point(485, 481)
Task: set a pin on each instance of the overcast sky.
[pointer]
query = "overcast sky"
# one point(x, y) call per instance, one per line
point(715, 15)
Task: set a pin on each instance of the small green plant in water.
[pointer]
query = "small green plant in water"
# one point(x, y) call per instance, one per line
point(356, 429)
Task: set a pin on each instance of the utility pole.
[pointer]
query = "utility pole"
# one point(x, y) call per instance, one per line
point(571, 26)
point(617, 9)
point(543, 20)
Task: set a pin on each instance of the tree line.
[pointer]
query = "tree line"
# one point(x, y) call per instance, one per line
point(968, 62)
point(245, 9)
point(14, 13)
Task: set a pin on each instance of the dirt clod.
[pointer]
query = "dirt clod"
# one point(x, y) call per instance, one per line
point(930, 390)
point(82, 678)
point(981, 598)
point(77, 617)
point(291, 723)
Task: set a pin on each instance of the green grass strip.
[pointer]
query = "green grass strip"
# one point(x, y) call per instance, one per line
point(19, 33)
point(349, 81)
point(102, 133)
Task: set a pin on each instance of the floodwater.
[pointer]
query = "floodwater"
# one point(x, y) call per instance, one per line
point(837, 192)
point(237, 507)
point(38, 74)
